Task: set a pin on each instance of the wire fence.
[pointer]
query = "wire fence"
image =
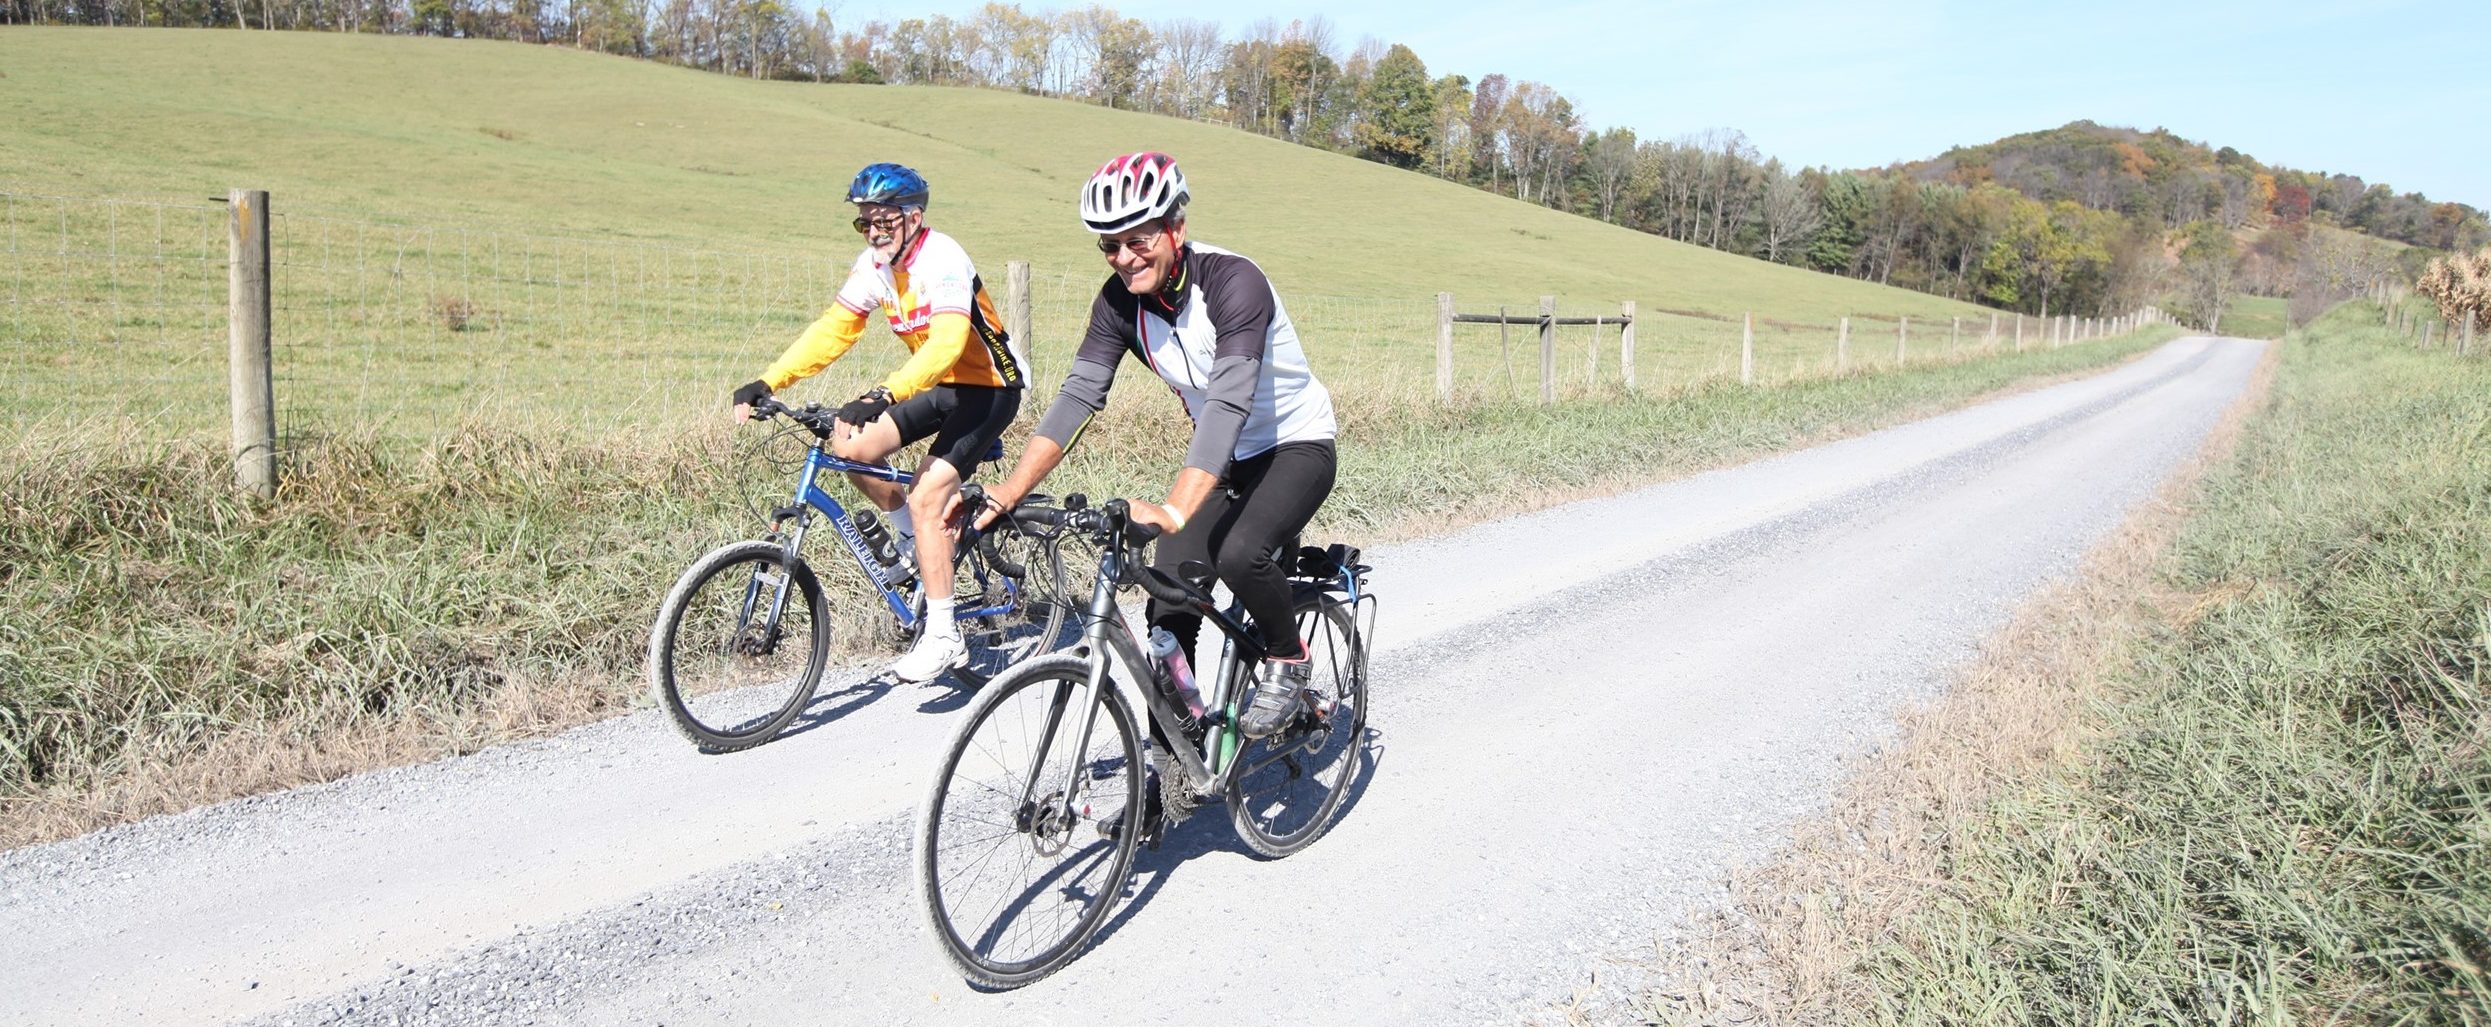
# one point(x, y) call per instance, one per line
point(117, 308)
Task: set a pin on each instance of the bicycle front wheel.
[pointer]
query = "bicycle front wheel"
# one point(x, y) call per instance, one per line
point(739, 646)
point(1292, 783)
point(1027, 835)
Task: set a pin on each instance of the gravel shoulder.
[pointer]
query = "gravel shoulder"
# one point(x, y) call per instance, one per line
point(1585, 716)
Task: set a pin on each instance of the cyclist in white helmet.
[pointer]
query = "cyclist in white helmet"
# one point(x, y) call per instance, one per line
point(962, 383)
point(1261, 461)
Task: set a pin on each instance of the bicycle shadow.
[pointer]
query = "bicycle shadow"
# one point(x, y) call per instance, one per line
point(828, 707)
point(1209, 831)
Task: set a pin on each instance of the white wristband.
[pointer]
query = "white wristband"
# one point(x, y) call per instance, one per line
point(1174, 516)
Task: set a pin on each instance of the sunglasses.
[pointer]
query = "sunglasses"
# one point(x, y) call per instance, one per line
point(886, 222)
point(1138, 245)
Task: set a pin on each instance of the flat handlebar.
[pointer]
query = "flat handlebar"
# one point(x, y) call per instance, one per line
point(812, 416)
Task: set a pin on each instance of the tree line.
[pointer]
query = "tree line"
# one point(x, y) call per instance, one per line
point(2081, 219)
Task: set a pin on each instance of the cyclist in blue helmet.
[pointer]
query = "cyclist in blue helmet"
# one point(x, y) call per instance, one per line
point(961, 385)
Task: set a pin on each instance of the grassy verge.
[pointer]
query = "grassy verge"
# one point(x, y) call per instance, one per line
point(2260, 796)
point(163, 644)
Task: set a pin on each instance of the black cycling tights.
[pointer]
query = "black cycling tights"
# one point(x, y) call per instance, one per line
point(1267, 500)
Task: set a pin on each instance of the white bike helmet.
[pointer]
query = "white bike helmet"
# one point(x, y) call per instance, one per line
point(1132, 189)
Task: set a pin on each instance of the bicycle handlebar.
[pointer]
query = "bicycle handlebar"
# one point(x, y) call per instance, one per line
point(1112, 523)
point(811, 416)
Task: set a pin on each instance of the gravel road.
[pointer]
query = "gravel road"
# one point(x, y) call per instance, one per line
point(1584, 718)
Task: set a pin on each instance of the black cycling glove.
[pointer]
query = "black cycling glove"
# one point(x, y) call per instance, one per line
point(862, 410)
point(751, 392)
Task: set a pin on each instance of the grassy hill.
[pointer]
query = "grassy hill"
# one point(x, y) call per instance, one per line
point(509, 140)
point(553, 140)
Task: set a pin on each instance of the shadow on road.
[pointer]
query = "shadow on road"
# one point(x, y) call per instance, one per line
point(1209, 830)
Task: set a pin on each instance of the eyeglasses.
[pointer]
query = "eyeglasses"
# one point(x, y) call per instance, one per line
point(886, 222)
point(1139, 245)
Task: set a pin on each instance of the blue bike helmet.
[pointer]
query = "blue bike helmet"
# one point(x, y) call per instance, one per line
point(891, 184)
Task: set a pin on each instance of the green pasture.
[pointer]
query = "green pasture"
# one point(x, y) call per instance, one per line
point(2256, 317)
point(470, 229)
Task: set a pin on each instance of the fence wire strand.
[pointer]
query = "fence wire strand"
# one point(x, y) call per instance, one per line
point(423, 329)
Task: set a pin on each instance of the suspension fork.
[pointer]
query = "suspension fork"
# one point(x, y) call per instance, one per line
point(792, 543)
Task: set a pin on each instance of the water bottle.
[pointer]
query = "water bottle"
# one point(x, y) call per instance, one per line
point(1175, 678)
point(877, 537)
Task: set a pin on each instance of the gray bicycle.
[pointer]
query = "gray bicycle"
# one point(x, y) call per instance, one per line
point(1028, 834)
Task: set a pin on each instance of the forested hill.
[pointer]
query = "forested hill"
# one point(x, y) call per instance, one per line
point(2159, 177)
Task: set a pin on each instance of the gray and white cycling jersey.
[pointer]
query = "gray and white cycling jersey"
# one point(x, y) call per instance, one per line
point(1222, 341)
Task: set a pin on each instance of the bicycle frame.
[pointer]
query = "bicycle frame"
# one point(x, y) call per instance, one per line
point(1210, 764)
point(811, 497)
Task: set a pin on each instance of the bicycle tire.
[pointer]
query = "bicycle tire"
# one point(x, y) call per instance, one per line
point(1284, 805)
point(1004, 929)
point(731, 689)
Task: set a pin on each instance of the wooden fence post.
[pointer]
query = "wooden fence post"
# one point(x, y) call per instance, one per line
point(1016, 303)
point(1902, 341)
point(1747, 349)
point(1626, 343)
point(246, 297)
point(2466, 348)
point(2019, 332)
point(1444, 347)
point(1954, 335)
point(1548, 350)
point(1990, 341)
point(1842, 346)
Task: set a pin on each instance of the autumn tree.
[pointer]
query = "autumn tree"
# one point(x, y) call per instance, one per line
point(1451, 142)
point(1397, 111)
point(1787, 214)
point(1609, 162)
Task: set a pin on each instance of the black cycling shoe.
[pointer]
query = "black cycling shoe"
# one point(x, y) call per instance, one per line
point(1280, 687)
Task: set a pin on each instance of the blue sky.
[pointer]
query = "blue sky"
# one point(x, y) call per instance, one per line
point(2395, 92)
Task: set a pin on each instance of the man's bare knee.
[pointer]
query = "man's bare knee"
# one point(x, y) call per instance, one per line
point(927, 500)
point(854, 447)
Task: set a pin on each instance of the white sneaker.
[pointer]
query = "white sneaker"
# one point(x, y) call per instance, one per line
point(934, 654)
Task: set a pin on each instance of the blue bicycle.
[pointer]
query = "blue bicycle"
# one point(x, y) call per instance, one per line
point(741, 640)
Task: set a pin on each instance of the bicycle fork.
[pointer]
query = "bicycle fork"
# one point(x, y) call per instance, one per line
point(1068, 809)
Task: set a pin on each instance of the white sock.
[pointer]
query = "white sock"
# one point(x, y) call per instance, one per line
point(938, 618)
point(907, 527)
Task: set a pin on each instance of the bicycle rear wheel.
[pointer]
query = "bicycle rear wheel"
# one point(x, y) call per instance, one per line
point(1292, 783)
point(728, 675)
point(1013, 886)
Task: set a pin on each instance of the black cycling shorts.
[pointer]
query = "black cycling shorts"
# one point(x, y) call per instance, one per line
point(967, 421)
